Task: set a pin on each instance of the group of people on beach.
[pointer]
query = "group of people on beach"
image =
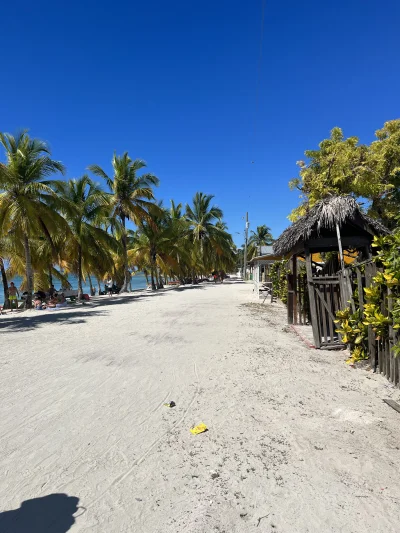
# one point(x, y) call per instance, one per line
point(42, 300)
point(219, 276)
point(50, 300)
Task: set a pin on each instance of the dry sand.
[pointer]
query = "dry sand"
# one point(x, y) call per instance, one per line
point(298, 441)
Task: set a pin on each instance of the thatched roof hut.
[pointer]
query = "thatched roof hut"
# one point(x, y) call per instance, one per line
point(316, 230)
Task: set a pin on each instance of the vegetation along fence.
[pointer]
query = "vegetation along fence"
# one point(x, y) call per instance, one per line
point(368, 323)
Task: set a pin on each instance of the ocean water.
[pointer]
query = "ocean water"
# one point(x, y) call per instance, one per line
point(138, 282)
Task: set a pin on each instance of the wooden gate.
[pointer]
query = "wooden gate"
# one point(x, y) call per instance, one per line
point(324, 303)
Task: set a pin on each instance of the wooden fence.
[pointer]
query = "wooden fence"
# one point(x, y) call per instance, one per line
point(298, 305)
point(352, 282)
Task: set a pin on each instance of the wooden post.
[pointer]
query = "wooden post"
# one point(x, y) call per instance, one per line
point(360, 289)
point(295, 295)
point(311, 295)
point(371, 335)
point(290, 302)
point(346, 278)
point(340, 246)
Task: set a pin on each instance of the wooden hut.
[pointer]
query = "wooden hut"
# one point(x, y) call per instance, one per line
point(334, 224)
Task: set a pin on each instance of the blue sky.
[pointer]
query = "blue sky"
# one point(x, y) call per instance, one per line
point(175, 83)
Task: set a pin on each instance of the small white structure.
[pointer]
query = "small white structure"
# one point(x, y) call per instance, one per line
point(261, 266)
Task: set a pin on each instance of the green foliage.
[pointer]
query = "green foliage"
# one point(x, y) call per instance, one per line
point(50, 228)
point(278, 274)
point(354, 332)
point(261, 237)
point(383, 294)
point(346, 167)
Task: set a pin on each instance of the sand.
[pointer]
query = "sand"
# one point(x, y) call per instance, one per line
point(298, 441)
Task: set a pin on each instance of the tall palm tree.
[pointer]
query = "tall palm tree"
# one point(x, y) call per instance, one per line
point(24, 201)
point(86, 207)
point(202, 217)
point(132, 197)
point(160, 246)
point(261, 237)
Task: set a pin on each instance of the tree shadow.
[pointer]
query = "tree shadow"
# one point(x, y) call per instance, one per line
point(50, 514)
point(33, 320)
point(187, 288)
point(74, 314)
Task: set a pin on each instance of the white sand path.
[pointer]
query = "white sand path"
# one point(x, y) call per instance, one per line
point(298, 441)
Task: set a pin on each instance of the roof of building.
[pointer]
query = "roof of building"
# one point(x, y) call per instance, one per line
point(325, 215)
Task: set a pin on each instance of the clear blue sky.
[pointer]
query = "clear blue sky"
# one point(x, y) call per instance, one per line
point(174, 83)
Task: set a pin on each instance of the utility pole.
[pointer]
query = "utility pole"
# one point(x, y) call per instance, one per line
point(246, 233)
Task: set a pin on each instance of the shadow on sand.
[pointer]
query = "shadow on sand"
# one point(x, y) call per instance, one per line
point(81, 313)
point(74, 314)
point(51, 514)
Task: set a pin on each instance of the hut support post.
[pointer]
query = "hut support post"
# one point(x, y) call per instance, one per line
point(339, 238)
point(290, 301)
point(346, 279)
point(295, 296)
point(311, 295)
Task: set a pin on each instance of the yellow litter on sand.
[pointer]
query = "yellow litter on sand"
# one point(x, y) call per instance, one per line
point(201, 428)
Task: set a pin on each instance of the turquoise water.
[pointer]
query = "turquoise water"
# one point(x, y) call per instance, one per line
point(138, 282)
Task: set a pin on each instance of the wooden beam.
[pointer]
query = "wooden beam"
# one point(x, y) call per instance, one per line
point(339, 238)
point(331, 243)
point(311, 295)
point(290, 302)
point(394, 405)
point(295, 295)
point(328, 310)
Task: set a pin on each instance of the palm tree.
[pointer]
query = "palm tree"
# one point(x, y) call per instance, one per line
point(160, 246)
point(25, 206)
point(131, 199)
point(86, 207)
point(206, 235)
point(261, 237)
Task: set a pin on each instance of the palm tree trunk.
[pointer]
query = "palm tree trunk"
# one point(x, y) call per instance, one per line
point(80, 290)
point(160, 279)
point(153, 285)
point(125, 283)
point(153, 268)
point(92, 289)
point(146, 274)
point(29, 273)
point(50, 275)
point(98, 283)
point(5, 284)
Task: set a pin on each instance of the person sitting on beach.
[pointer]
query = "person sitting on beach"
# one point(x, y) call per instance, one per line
point(53, 301)
point(61, 301)
point(38, 304)
point(13, 295)
point(39, 301)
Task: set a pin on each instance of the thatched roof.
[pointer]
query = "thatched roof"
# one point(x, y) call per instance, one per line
point(325, 215)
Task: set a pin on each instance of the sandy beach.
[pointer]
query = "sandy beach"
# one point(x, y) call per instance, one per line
point(298, 441)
